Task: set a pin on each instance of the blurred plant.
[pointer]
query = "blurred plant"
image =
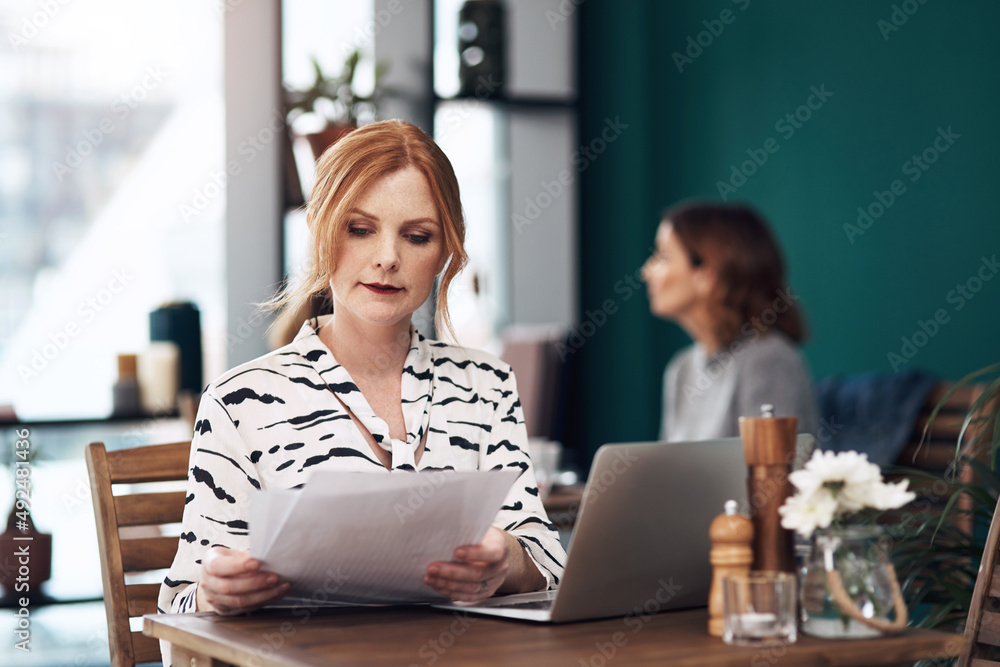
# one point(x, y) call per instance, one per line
point(936, 558)
point(336, 98)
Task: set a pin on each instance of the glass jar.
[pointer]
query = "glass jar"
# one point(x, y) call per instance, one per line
point(848, 587)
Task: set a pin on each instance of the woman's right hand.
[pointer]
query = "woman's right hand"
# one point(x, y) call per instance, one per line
point(232, 583)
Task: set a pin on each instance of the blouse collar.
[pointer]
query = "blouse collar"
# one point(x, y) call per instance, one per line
point(417, 390)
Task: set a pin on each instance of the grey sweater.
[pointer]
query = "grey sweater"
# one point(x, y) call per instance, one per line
point(704, 396)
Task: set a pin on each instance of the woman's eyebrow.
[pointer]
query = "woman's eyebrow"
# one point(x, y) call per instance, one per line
point(433, 221)
point(364, 214)
point(358, 211)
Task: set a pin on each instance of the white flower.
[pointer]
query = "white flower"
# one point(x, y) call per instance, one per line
point(832, 484)
point(891, 496)
point(848, 467)
point(805, 513)
point(856, 496)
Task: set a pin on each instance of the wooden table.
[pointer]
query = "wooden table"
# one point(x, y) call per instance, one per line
point(417, 636)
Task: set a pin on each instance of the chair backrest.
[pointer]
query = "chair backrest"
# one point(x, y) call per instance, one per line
point(982, 626)
point(533, 354)
point(933, 449)
point(122, 554)
point(936, 449)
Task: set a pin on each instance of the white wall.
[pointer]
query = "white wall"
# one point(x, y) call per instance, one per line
point(254, 121)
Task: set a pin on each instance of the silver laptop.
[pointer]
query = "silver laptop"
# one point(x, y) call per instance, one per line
point(641, 542)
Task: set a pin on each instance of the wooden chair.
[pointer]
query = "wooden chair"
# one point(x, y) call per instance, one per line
point(982, 627)
point(933, 449)
point(121, 554)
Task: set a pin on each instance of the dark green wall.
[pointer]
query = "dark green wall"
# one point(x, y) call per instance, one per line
point(686, 129)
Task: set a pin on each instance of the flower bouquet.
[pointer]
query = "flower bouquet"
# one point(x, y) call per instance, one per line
point(848, 587)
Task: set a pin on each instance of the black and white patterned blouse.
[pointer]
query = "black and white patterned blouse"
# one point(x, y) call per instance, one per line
point(271, 422)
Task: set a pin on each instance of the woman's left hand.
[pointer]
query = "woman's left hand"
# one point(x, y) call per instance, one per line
point(477, 571)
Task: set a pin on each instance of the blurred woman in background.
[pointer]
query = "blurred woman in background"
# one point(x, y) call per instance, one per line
point(718, 273)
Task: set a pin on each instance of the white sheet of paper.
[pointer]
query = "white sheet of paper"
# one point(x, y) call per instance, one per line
point(356, 538)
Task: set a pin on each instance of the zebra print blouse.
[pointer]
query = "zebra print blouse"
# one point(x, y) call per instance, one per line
point(271, 422)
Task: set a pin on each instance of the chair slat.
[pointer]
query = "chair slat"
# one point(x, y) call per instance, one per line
point(989, 629)
point(142, 599)
point(146, 649)
point(125, 546)
point(148, 553)
point(153, 463)
point(958, 401)
point(994, 590)
point(141, 509)
point(925, 456)
point(979, 662)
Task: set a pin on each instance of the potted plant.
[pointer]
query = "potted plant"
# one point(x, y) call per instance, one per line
point(936, 558)
point(335, 102)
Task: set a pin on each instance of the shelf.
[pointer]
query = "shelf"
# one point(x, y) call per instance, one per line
point(515, 102)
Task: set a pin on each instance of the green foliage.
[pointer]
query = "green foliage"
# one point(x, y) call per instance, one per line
point(936, 560)
point(335, 98)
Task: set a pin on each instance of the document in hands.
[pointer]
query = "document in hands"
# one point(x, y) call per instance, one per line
point(352, 538)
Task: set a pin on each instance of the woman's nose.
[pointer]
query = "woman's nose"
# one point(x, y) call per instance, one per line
point(387, 255)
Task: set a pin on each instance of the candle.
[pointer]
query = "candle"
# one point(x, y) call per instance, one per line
point(159, 368)
point(758, 624)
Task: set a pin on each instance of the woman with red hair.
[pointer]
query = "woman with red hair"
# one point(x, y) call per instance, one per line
point(361, 390)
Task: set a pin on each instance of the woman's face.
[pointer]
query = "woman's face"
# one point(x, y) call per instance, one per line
point(674, 286)
point(389, 252)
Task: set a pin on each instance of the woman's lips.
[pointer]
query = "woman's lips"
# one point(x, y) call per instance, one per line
point(378, 288)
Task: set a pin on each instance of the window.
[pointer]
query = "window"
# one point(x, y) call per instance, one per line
point(111, 190)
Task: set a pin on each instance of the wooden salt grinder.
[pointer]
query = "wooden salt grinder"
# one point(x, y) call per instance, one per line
point(732, 535)
point(769, 447)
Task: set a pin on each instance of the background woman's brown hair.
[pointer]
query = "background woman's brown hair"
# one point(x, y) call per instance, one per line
point(736, 243)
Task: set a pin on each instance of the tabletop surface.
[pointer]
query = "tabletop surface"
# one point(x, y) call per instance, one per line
point(423, 636)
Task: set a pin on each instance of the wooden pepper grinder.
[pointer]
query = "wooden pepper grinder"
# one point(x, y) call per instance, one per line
point(769, 447)
point(732, 553)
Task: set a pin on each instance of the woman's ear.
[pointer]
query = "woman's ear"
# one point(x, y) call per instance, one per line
point(706, 281)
